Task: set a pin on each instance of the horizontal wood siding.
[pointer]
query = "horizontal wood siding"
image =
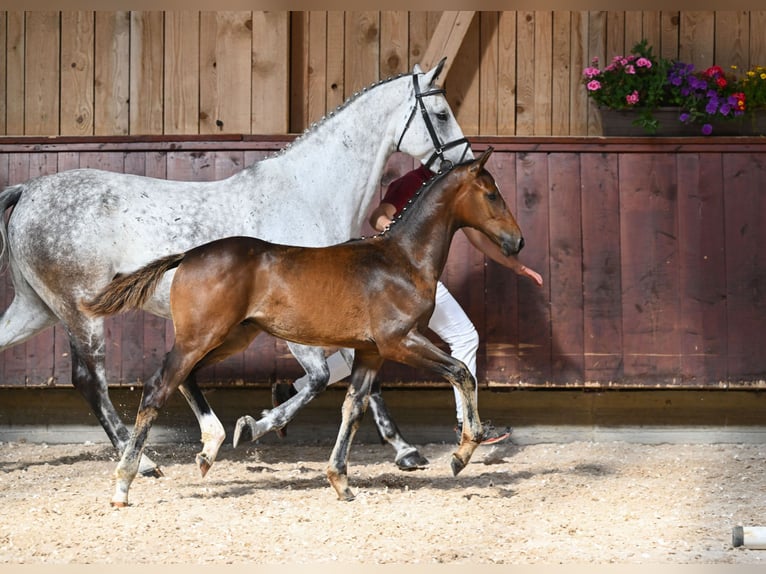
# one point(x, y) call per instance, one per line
point(187, 72)
point(651, 251)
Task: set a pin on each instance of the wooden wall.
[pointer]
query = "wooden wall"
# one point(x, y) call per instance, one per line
point(651, 251)
point(517, 73)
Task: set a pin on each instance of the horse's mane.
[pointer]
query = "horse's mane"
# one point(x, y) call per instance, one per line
point(315, 126)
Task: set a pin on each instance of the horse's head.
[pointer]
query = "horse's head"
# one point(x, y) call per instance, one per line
point(479, 204)
point(428, 131)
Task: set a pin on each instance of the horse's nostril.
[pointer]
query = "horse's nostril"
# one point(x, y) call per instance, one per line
point(521, 244)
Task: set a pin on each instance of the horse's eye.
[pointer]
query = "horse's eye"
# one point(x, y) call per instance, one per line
point(442, 116)
point(492, 196)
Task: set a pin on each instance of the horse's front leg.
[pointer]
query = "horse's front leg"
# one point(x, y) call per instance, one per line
point(366, 367)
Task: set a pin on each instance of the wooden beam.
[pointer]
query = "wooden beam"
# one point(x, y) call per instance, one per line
point(446, 40)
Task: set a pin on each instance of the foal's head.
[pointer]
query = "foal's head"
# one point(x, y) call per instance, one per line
point(478, 203)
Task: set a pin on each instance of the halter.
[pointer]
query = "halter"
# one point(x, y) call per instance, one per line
point(439, 148)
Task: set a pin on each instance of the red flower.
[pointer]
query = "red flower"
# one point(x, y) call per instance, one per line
point(714, 71)
point(721, 82)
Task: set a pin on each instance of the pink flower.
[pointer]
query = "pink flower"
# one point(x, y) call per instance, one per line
point(630, 69)
point(644, 63)
point(591, 72)
point(633, 98)
point(594, 85)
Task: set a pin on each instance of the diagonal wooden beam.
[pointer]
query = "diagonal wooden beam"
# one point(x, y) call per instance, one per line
point(446, 40)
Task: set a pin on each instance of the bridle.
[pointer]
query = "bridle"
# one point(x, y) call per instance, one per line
point(439, 148)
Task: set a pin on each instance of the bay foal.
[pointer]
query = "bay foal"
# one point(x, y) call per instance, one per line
point(374, 295)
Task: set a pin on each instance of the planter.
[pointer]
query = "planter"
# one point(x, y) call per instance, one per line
point(620, 123)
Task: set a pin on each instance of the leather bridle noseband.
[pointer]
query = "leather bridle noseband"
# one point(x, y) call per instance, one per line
point(439, 148)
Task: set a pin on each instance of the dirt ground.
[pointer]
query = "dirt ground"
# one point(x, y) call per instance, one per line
point(574, 503)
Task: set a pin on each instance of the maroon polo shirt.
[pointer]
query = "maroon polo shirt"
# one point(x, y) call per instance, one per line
point(401, 190)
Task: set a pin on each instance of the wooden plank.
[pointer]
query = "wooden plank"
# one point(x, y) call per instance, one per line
point(271, 62)
point(6, 284)
point(602, 284)
point(744, 178)
point(525, 73)
point(3, 71)
point(299, 70)
point(757, 39)
point(14, 120)
point(181, 86)
point(651, 27)
point(532, 214)
point(316, 91)
point(565, 277)
point(578, 96)
point(112, 73)
point(596, 51)
point(463, 86)
point(336, 73)
point(634, 29)
point(361, 55)
point(394, 43)
point(615, 34)
point(506, 71)
point(561, 75)
point(147, 37)
point(702, 266)
point(697, 38)
point(446, 40)
point(41, 74)
point(732, 39)
point(649, 264)
point(488, 72)
point(418, 37)
point(669, 23)
point(77, 72)
point(225, 54)
point(543, 72)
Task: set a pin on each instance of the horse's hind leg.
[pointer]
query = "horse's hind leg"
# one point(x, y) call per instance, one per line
point(89, 378)
point(366, 366)
point(407, 456)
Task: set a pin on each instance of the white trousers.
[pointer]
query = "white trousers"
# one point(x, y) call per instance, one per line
point(450, 323)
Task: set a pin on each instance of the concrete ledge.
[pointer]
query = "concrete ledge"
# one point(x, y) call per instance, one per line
point(60, 415)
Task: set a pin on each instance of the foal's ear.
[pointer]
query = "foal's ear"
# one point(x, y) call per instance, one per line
point(478, 164)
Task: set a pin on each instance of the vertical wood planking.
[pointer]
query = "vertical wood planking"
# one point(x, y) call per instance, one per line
point(181, 78)
point(561, 73)
point(270, 64)
point(596, 47)
point(697, 38)
point(543, 72)
point(602, 286)
point(112, 73)
point(361, 55)
point(506, 71)
point(147, 38)
point(336, 47)
point(565, 279)
point(578, 96)
point(41, 73)
point(77, 73)
point(394, 43)
point(615, 35)
point(757, 39)
point(501, 338)
point(532, 214)
point(3, 70)
point(651, 29)
point(14, 69)
point(702, 265)
point(462, 84)
point(316, 78)
point(669, 30)
point(225, 59)
point(488, 72)
point(650, 284)
point(732, 39)
point(634, 30)
point(744, 178)
point(525, 74)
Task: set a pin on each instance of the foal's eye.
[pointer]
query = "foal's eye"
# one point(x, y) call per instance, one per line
point(492, 196)
point(442, 116)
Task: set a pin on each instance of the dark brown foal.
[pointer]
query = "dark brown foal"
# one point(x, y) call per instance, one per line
point(374, 295)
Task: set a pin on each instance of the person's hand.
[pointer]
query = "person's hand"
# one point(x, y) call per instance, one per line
point(531, 273)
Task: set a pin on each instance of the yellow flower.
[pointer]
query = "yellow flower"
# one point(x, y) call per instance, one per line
point(763, 75)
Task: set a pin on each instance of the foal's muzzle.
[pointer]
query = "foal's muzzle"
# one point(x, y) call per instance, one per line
point(512, 247)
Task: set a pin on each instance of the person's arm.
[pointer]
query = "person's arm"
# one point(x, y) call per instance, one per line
point(382, 216)
point(485, 245)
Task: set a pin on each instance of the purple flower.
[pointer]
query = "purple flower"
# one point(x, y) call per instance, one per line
point(707, 129)
point(712, 106)
point(685, 117)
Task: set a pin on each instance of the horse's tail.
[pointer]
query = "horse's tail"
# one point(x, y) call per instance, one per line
point(8, 198)
point(133, 290)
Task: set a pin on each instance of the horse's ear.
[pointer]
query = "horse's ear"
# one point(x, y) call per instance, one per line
point(478, 164)
point(431, 76)
point(416, 69)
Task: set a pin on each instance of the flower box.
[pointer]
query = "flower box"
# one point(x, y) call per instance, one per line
point(621, 123)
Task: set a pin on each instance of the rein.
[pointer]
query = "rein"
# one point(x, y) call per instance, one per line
point(439, 148)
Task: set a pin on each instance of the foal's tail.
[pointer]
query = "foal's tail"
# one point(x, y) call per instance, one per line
point(133, 290)
point(8, 198)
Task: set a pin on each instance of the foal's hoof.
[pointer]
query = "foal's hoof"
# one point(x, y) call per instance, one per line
point(119, 504)
point(412, 461)
point(152, 472)
point(457, 465)
point(204, 463)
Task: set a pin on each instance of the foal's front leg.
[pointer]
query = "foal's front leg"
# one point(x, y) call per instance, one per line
point(366, 366)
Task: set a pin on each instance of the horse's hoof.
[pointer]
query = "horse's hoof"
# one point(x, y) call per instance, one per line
point(152, 472)
point(412, 461)
point(457, 465)
point(119, 504)
point(204, 464)
point(346, 496)
point(243, 423)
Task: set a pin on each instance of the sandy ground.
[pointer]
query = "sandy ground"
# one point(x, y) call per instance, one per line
point(575, 503)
